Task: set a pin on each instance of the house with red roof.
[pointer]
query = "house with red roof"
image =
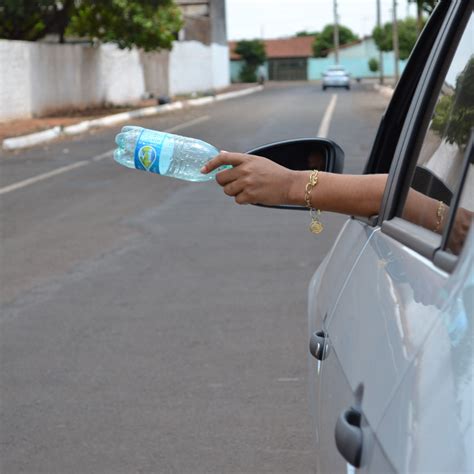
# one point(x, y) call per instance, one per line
point(287, 59)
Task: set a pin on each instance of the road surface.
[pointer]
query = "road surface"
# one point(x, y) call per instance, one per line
point(150, 325)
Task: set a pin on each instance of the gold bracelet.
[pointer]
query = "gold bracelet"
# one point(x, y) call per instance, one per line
point(316, 226)
point(440, 212)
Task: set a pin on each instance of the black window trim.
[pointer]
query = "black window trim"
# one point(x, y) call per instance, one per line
point(403, 164)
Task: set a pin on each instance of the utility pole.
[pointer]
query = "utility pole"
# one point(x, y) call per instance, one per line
point(336, 33)
point(379, 25)
point(396, 50)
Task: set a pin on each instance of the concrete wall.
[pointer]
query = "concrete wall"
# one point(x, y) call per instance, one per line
point(196, 67)
point(156, 72)
point(355, 59)
point(220, 66)
point(38, 78)
point(358, 67)
point(15, 87)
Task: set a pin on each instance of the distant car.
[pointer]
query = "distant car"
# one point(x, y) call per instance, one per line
point(336, 76)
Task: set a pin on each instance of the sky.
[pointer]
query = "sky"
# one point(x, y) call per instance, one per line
point(248, 19)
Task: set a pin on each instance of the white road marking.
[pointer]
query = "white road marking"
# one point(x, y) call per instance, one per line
point(42, 177)
point(102, 156)
point(326, 122)
point(204, 118)
point(64, 169)
point(288, 379)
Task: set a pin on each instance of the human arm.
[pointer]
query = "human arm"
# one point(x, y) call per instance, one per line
point(254, 179)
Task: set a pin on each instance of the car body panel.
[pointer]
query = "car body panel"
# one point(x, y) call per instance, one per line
point(428, 424)
point(343, 255)
point(381, 320)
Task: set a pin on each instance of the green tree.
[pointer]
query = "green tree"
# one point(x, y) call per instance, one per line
point(423, 6)
point(407, 35)
point(254, 55)
point(31, 20)
point(373, 64)
point(453, 118)
point(150, 25)
point(325, 40)
point(306, 33)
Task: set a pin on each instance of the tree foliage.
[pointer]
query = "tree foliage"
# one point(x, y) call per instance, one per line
point(148, 24)
point(426, 6)
point(407, 35)
point(254, 55)
point(31, 20)
point(373, 64)
point(453, 118)
point(306, 33)
point(325, 40)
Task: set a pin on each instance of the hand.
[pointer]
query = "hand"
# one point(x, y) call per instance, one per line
point(460, 229)
point(252, 179)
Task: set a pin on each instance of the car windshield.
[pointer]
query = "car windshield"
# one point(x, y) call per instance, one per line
point(337, 72)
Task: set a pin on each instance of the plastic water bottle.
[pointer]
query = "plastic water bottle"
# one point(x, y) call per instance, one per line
point(164, 153)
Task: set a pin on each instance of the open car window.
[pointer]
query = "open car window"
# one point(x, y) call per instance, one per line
point(440, 162)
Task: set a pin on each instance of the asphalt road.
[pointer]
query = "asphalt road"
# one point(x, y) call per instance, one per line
point(150, 325)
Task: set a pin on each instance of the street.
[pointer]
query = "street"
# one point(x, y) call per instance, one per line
point(150, 325)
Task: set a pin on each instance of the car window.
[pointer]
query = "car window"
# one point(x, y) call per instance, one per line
point(440, 161)
point(463, 217)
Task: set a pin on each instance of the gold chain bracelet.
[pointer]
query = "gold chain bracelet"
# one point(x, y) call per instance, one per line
point(440, 211)
point(316, 225)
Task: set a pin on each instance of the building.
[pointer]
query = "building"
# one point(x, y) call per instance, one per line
point(355, 58)
point(287, 59)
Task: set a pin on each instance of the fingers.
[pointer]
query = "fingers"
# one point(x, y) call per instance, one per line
point(227, 176)
point(224, 158)
point(234, 188)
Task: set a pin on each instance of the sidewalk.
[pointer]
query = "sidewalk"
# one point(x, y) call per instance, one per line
point(16, 128)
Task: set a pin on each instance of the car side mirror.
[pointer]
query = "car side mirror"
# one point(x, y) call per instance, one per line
point(303, 154)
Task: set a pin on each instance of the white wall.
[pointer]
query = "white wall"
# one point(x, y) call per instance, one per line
point(190, 67)
point(15, 90)
point(121, 74)
point(37, 78)
point(194, 67)
point(220, 66)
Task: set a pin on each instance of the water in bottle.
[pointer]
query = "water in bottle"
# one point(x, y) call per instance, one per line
point(164, 153)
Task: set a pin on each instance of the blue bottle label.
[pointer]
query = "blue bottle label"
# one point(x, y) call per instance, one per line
point(153, 151)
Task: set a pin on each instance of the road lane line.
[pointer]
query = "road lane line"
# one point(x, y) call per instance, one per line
point(42, 177)
point(102, 156)
point(326, 122)
point(64, 169)
point(195, 121)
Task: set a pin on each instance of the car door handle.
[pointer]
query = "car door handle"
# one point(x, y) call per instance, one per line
point(319, 345)
point(349, 437)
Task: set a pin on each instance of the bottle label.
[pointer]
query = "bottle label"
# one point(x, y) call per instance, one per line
point(153, 151)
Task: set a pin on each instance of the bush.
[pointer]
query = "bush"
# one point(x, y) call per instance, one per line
point(373, 64)
point(248, 73)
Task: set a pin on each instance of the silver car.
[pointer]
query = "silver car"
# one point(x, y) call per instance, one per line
point(391, 306)
point(336, 76)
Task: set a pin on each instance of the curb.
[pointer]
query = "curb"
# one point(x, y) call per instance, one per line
point(386, 91)
point(31, 139)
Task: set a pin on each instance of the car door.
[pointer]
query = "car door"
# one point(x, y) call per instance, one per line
point(394, 288)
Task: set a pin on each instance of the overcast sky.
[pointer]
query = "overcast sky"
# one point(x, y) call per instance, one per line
point(247, 19)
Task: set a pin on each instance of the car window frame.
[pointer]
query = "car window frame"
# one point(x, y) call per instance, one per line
point(410, 141)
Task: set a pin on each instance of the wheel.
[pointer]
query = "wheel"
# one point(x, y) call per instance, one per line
point(324, 88)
